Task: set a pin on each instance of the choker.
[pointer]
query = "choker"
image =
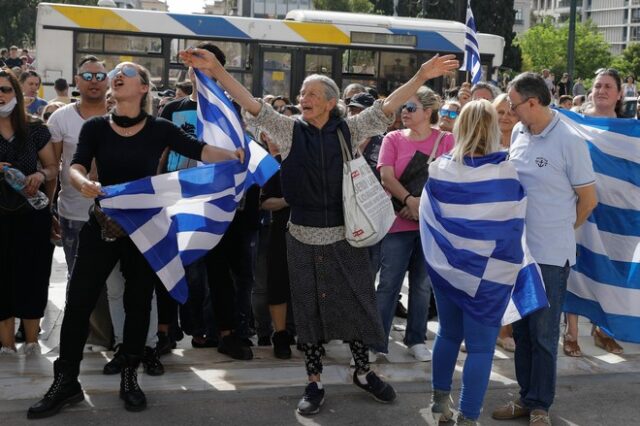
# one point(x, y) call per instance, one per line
point(124, 121)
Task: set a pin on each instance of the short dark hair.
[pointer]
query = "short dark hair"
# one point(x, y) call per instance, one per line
point(207, 45)
point(531, 85)
point(29, 73)
point(565, 98)
point(185, 86)
point(88, 58)
point(60, 84)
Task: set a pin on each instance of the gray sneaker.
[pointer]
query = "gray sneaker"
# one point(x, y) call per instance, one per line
point(441, 404)
point(312, 400)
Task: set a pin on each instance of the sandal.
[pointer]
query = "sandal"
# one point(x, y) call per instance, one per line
point(508, 344)
point(570, 347)
point(605, 342)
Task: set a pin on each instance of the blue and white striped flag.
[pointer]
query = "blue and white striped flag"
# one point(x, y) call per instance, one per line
point(176, 218)
point(471, 49)
point(473, 238)
point(604, 285)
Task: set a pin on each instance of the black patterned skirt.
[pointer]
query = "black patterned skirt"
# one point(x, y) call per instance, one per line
point(332, 293)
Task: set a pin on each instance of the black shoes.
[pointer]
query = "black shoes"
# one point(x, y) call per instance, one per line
point(65, 390)
point(165, 344)
point(151, 362)
point(204, 342)
point(380, 390)
point(115, 365)
point(311, 401)
point(401, 311)
point(130, 392)
point(235, 347)
point(281, 347)
point(264, 341)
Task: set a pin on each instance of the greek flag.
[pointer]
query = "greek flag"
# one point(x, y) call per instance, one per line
point(176, 218)
point(473, 238)
point(471, 49)
point(604, 285)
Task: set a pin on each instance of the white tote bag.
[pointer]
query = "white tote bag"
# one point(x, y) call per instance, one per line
point(368, 212)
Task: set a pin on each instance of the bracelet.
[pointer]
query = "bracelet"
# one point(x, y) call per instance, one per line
point(43, 174)
point(404, 200)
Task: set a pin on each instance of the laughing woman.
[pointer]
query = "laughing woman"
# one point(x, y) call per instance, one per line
point(126, 145)
point(333, 296)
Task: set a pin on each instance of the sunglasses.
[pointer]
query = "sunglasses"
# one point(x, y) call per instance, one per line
point(449, 113)
point(6, 89)
point(126, 70)
point(88, 76)
point(410, 107)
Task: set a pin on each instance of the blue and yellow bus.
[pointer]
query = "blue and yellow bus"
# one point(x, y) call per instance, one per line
point(270, 56)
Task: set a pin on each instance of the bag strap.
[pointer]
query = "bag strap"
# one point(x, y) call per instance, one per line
point(347, 155)
point(435, 147)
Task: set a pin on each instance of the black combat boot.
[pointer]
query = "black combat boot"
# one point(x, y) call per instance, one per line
point(130, 392)
point(65, 390)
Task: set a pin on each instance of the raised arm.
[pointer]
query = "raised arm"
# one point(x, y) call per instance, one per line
point(434, 67)
point(206, 61)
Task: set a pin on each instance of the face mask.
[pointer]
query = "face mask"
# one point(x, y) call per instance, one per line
point(7, 109)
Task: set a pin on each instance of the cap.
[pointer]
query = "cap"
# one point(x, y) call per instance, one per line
point(167, 93)
point(361, 100)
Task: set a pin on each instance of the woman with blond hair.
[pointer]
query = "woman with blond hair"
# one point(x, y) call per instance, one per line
point(465, 311)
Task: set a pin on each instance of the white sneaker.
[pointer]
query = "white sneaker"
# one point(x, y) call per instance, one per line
point(30, 349)
point(5, 351)
point(420, 352)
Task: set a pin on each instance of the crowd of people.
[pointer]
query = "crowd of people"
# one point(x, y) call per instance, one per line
point(283, 271)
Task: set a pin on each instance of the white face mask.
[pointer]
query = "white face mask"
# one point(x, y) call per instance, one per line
point(7, 109)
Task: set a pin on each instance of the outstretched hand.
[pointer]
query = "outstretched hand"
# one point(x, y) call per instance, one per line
point(199, 58)
point(437, 66)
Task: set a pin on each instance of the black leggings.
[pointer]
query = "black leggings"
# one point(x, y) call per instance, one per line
point(95, 260)
point(313, 354)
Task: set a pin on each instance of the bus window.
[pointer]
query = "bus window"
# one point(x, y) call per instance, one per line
point(360, 62)
point(364, 82)
point(122, 43)
point(396, 69)
point(89, 41)
point(276, 74)
point(237, 54)
point(318, 64)
point(154, 65)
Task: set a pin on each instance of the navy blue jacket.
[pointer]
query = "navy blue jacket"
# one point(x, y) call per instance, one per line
point(312, 174)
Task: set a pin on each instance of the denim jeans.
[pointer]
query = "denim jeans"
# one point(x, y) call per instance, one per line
point(70, 230)
point(536, 338)
point(402, 252)
point(480, 340)
point(115, 295)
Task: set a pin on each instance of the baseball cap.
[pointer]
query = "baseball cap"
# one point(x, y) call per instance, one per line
point(361, 100)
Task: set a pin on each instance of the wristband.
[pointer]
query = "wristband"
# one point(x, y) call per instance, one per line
point(404, 200)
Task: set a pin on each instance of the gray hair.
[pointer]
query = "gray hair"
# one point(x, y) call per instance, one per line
point(482, 85)
point(353, 86)
point(531, 85)
point(331, 91)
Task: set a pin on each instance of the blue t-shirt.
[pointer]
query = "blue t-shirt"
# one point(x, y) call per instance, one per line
point(36, 106)
point(550, 165)
point(182, 113)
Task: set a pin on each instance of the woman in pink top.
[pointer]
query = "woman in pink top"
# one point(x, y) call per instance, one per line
point(401, 248)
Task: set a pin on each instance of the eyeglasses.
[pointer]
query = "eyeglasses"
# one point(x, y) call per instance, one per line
point(513, 107)
point(126, 70)
point(6, 89)
point(88, 76)
point(410, 107)
point(449, 113)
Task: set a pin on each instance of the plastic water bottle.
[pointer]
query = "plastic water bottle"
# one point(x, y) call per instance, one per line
point(17, 180)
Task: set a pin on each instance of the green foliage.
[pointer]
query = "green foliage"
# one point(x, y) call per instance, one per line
point(357, 6)
point(545, 46)
point(18, 20)
point(629, 62)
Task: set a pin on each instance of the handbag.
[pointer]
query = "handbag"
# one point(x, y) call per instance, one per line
point(11, 201)
point(110, 230)
point(416, 173)
point(368, 212)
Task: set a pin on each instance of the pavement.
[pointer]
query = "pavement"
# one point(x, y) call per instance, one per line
point(203, 386)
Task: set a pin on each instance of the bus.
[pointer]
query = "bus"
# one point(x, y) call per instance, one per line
point(269, 56)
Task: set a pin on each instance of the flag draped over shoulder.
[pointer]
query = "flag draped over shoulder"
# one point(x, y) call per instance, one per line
point(473, 238)
point(471, 48)
point(176, 218)
point(604, 285)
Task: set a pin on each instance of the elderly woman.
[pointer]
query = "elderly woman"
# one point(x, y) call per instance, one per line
point(332, 292)
point(126, 145)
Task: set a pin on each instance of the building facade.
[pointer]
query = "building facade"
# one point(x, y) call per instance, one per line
point(522, 9)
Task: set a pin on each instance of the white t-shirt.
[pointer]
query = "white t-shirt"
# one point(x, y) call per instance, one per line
point(65, 124)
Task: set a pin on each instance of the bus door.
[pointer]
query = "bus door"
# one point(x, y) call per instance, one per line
point(283, 68)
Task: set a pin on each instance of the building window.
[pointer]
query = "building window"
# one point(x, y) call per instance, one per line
point(635, 15)
point(519, 19)
point(635, 34)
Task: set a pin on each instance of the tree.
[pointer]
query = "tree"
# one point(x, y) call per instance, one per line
point(358, 6)
point(629, 62)
point(545, 46)
point(18, 20)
